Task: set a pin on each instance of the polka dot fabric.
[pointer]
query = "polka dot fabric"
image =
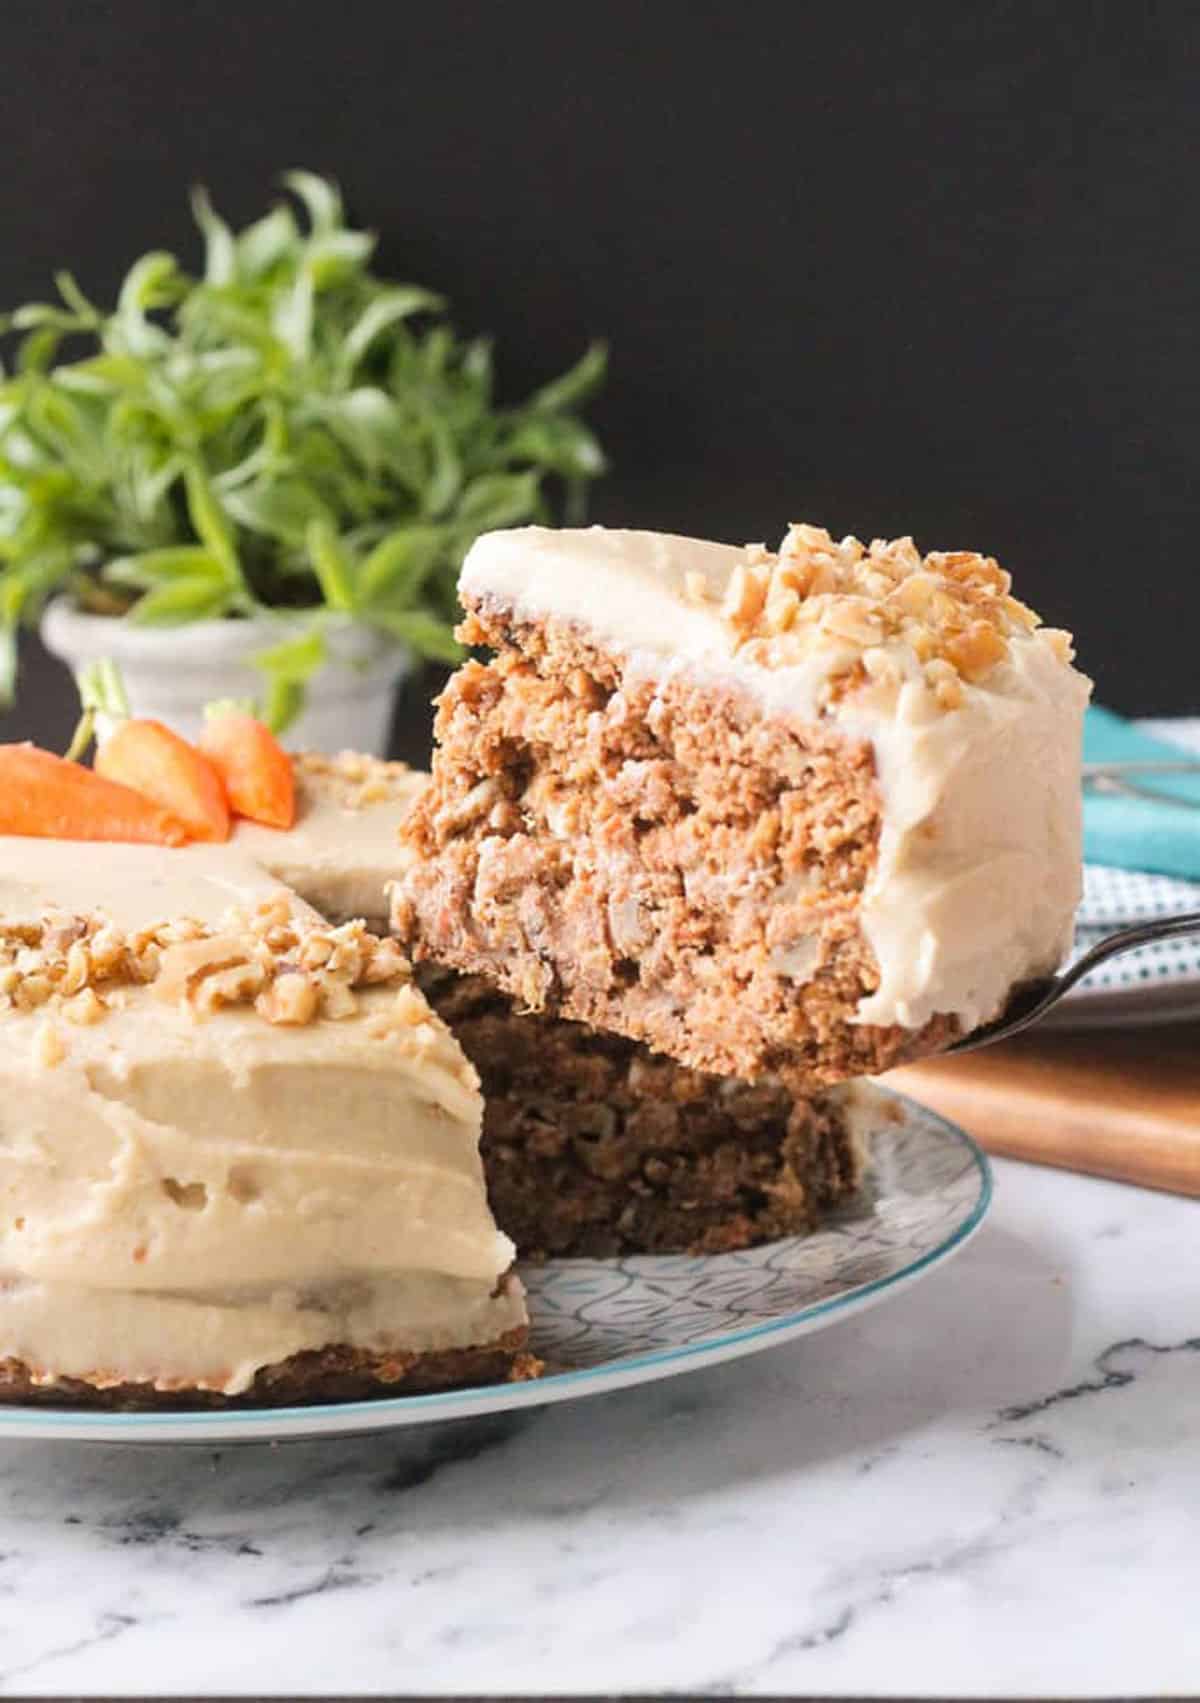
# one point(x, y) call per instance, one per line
point(1116, 898)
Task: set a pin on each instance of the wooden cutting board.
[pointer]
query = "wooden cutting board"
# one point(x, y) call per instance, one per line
point(1122, 1104)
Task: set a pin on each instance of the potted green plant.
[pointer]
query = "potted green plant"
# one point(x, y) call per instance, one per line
point(261, 481)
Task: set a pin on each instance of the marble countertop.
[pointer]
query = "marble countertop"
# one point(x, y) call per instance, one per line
point(990, 1485)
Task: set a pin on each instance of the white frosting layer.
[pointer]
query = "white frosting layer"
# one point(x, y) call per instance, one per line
point(186, 1196)
point(345, 844)
point(219, 1342)
point(978, 873)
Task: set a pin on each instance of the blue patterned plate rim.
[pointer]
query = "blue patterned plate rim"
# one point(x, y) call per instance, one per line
point(383, 1413)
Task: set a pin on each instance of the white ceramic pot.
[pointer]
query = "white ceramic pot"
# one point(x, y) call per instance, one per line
point(170, 673)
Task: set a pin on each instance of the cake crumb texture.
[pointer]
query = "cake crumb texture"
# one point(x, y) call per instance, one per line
point(594, 1146)
point(651, 857)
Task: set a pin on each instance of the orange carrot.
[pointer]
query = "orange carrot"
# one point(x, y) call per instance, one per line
point(257, 771)
point(48, 797)
point(150, 758)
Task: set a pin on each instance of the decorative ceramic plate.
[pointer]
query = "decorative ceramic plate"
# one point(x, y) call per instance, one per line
point(603, 1324)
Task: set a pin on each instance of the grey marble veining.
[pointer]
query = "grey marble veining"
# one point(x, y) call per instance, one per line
point(989, 1485)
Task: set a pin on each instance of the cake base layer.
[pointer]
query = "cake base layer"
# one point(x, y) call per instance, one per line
point(594, 1146)
point(654, 858)
point(321, 1375)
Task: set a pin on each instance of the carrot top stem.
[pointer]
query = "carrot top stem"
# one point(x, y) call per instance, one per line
point(85, 732)
point(230, 706)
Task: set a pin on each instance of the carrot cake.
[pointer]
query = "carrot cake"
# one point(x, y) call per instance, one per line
point(343, 848)
point(591, 1144)
point(238, 1152)
point(799, 814)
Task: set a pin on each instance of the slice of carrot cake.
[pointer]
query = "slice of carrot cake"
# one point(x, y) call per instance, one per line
point(238, 1152)
point(803, 813)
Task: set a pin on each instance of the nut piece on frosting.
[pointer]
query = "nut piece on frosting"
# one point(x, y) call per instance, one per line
point(290, 971)
point(949, 614)
point(355, 779)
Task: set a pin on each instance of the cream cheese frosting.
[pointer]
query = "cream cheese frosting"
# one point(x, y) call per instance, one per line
point(971, 709)
point(189, 1193)
point(344, 845)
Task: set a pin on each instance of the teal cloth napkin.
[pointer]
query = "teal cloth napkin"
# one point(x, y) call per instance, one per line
point(1134, 833)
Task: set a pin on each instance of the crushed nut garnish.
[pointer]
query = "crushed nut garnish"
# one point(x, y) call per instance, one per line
point(292, 970)
point(49, 1048)
point(356, 780)
point(947, 617)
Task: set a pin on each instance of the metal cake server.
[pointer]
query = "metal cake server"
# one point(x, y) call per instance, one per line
point(1032, 1001)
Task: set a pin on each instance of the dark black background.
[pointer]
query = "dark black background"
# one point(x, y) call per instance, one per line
point(932, 270)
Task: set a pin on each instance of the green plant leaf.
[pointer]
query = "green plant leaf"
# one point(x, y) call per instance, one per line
point(220, 251)
point(288, 668)
point(477, 368)
point(559, 442)
point(262, 245)
point(59, 420)
point(332, 566)
point(367, 422)
point(385, 311)
point(333, 257)
point(267, 457)
point(446, 470)
point(101, 375)
point(44, 313)
point(38, 349)
point(576, 384)
point(421, 631)
point(150, 476)
point(284, 510)
point(185, 600)
point(498, 499)
point(292, 319)
point(152, 282)
point(86, 312)
point(320, 197)
point(396, 569)
point(190, 562)
point(25, 585)
point(212, 527)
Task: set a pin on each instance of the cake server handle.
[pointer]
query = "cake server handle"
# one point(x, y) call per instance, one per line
point(1030, 1003)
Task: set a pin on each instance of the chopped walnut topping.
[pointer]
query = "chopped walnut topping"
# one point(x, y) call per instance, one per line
point(410, 1008)
point(33, 990)
point(385, 964)
point(947, 617)
point(292, 998)
point(745, 596)
point(354, 779)
point(84, 1008)
point(230, 984)
point(49, 1048)
point(290, 969)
